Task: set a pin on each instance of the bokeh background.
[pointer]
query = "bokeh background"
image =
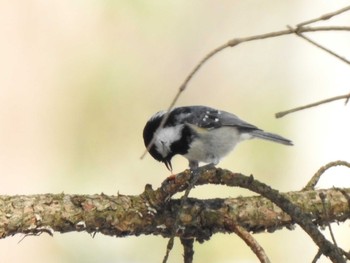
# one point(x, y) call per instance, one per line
point(79, 79)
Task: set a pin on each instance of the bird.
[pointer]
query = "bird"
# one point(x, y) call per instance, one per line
point(201, 134)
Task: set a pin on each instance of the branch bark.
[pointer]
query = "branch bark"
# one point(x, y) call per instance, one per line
point(124, 215)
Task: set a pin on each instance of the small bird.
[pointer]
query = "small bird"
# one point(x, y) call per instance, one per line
point(200, 134)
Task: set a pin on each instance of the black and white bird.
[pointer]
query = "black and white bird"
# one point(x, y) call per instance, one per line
point(200, 134)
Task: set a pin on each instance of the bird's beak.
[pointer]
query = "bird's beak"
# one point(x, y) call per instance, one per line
point(168, 165)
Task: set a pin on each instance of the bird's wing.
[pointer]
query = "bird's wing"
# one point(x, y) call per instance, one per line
point(209, 118)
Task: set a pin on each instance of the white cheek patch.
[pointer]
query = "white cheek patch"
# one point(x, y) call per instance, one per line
point(165, 137)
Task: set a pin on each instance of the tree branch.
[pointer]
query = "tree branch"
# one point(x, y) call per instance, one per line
point(316, 177)
point(325, 16)
point(150, 213)
point(188, 249)
point(284, 113)
point(249, 240)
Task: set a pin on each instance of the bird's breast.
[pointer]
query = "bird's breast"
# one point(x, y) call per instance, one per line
point(210, 146)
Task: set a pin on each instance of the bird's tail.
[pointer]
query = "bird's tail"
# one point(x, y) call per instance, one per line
point(270, 137)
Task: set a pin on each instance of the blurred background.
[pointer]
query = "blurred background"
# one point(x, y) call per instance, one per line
point(79, 79)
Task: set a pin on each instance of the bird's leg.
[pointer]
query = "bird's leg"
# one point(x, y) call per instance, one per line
point(193, 165)
point(195, 172)
point(194, 168)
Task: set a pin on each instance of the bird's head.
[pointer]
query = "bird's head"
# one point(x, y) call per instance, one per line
point(163, 139)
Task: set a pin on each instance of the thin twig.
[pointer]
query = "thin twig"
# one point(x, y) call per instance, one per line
point(249, 240)
point(237, 41)
point(325, 211)
point(284, 113)
point(187, 243)
point(314, 180)
point(169, 247)
point(321, 47)
point(322, 28)
point(323, 197)
point(324, 17)
point(317, 256)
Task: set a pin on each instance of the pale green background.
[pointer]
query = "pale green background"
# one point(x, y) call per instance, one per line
point(79, 79)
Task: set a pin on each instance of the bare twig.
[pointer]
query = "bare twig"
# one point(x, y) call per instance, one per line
point(320, 46)
point(249, 240)
point(314, 180)
point(317, 256)
point(324, 17)
point(187, 243)
point(284, 113)
point(325, 210)
point(323, 28)
point(236, 41)
point(169, 247)
point(323, 199)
